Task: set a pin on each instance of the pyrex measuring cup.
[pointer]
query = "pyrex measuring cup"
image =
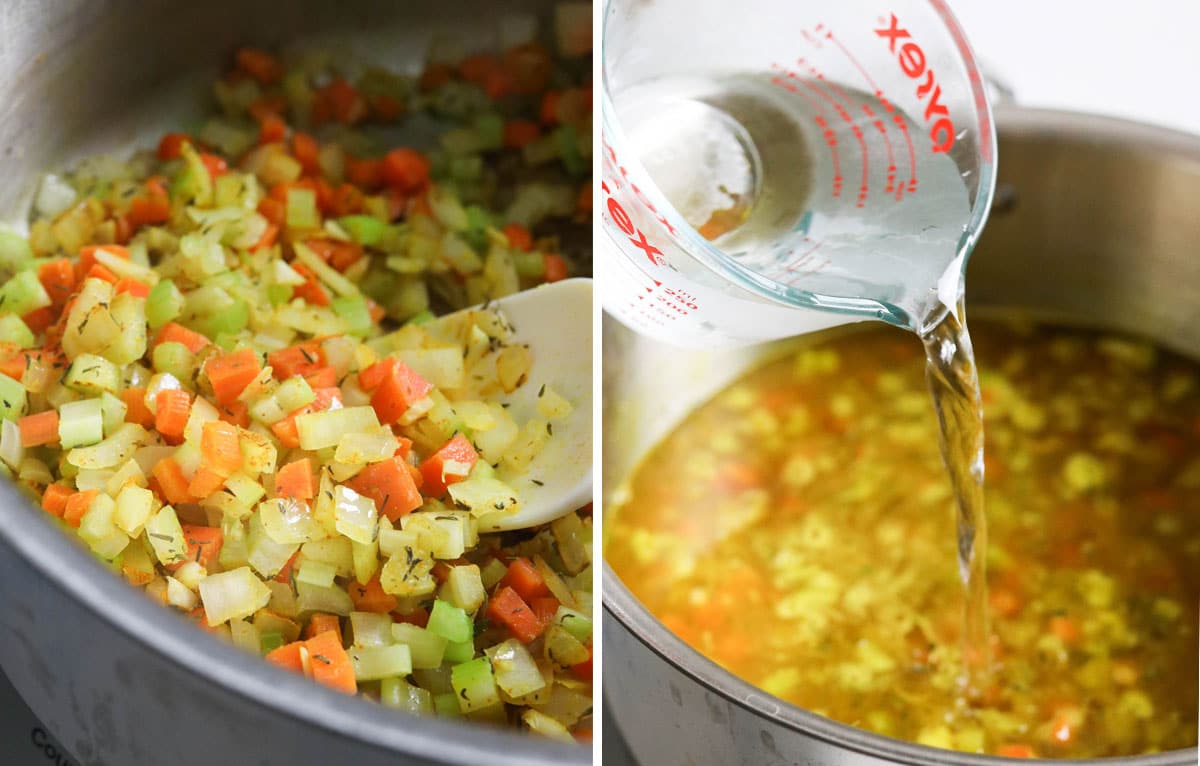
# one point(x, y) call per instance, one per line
point(772, 168)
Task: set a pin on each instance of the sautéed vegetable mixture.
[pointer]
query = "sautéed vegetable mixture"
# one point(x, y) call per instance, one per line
point(221, 367)
point(798, 530)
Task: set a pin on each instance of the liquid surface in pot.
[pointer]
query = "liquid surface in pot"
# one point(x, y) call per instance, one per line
point(747, 533)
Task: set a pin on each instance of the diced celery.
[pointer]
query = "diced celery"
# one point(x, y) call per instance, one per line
point(372, 663)
point(193, 183)
point(314, 598)
point(529, 265)
point(91, 374)
point(246, 490)
point(269, 641)
point(450, 622)
point(401, 695)
point(294, 393)
point(563, 648)
point(14, 330)
point(492, 573)
point(356, 516)
point(113, 410)
point(576, 623)
point(446, 705)
point(166, 536)
point(302, 209)
point(324, 429)
point(515, 670)
point(23, 293)
point(353, 311)
point(230, 320)
point(79, 423)
point(463, 588)
point(316, 573)
point(15, 252)
point(366, 230)
point(278, 295)
point(13, 399)
point(489, 127)
point(164, 304)
point(427, 648)
point(232, 595)
point(370, 629)
point(474, 684)
point(567, 140)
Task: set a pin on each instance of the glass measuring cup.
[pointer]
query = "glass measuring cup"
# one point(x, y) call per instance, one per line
point(772, 168)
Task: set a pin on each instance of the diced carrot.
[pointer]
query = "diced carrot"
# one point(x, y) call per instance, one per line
point(215, 165)
point(54, 499)
point(1066, 629)
point(296, 480)
point(259, 64)
point(386, 108)
point(285, 430)
point(341, 102)
point(39, 429)
point(556, 267)
point(267, 239)
point(39, 320)
point(523, 577)
point(545, 607)
point(133, 287)
point(365, 174)
point(1005, 602)
point(583, 670)
point(406, 169)
point(77, 505)
point(236, 413)
point(324, 377)
point(220, 449)
point(372, 597)
point(330, 664)
point(583, 202)
point(518, 236)
point(346, 199)
point(287, 657)
point(58, 278)
point(172, 408)
point(271, 129)
point(507, 608)
point(498, 84)
point(136, 410)
point(475, 68)
point(398, 203)
point(311, 291)
point(229, 374)
point(1016, 751)
point(87, 256)
point(433, 469)
point(306, 150)
point(177, 333)
point(148, 210)
point(548, 111)
point(170, 146)
point(583, 736)
point(122, 229)
point(203, 545)
point(434, 76)
point(273, 210)
point(419, 616)
point(285, 574)
point(13, 362)
point(375, 311)
point(530, 66)
point(399, 390)
point(300, 359)
point(171, 480)
point(404, 448)
point(339, 255)
point(321, 622)
point(101, 272)
point(390, 485)
point(268, 105)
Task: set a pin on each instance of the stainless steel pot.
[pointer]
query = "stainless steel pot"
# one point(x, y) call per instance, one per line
point(1095, 221)
point(116, 678)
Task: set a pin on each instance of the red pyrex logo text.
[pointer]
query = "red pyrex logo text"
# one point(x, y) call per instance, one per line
point(912, 62)
point(620, 217)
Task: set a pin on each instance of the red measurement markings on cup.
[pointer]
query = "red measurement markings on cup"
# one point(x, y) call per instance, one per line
point(855, 128)
point(807, 263)
point(911, 57)
point(792, 82)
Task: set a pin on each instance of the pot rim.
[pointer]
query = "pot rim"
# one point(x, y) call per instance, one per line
point(626, 611)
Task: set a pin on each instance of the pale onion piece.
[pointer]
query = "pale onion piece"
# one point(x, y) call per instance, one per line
point(371, 447)
point(514, 668)
point(316, 598)
point(314, 320)
point(494, 442)
point(464, 588)
point(126, 268)
point(341, 472)
point(202, 412)
point(151, 455)
point(339, 353)
point(245, 636)
point(259, 454)
point(338, 552)
point(34, 471)
point(190, 574)
point(564, 704)
point(319, 430)
point(356, 516)
point(134, 508)
point(545, 726)
point(264, 554)
point(179, 596)
point(393, 541)
point(417, 410)
point(110, 452)
point(551, 405)
point(408, 574)
point(288, 521)
point(90, 327)
point(283, 274)
point(232, 595)
point(326, 273)
point(370, 629)
point(443, 367)
point(445, 534)
point(485, 495)
point(166, 536)
point(512, 367)
point(366, 561)
point(528, 444)
point(476, 415)
point(54, 196)
point(96, 479)
point(11, 450)
point(246, 490)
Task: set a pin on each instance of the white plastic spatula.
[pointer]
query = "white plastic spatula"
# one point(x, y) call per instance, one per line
point(556, 321)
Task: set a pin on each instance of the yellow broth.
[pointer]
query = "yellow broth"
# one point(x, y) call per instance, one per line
point(798, 530)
